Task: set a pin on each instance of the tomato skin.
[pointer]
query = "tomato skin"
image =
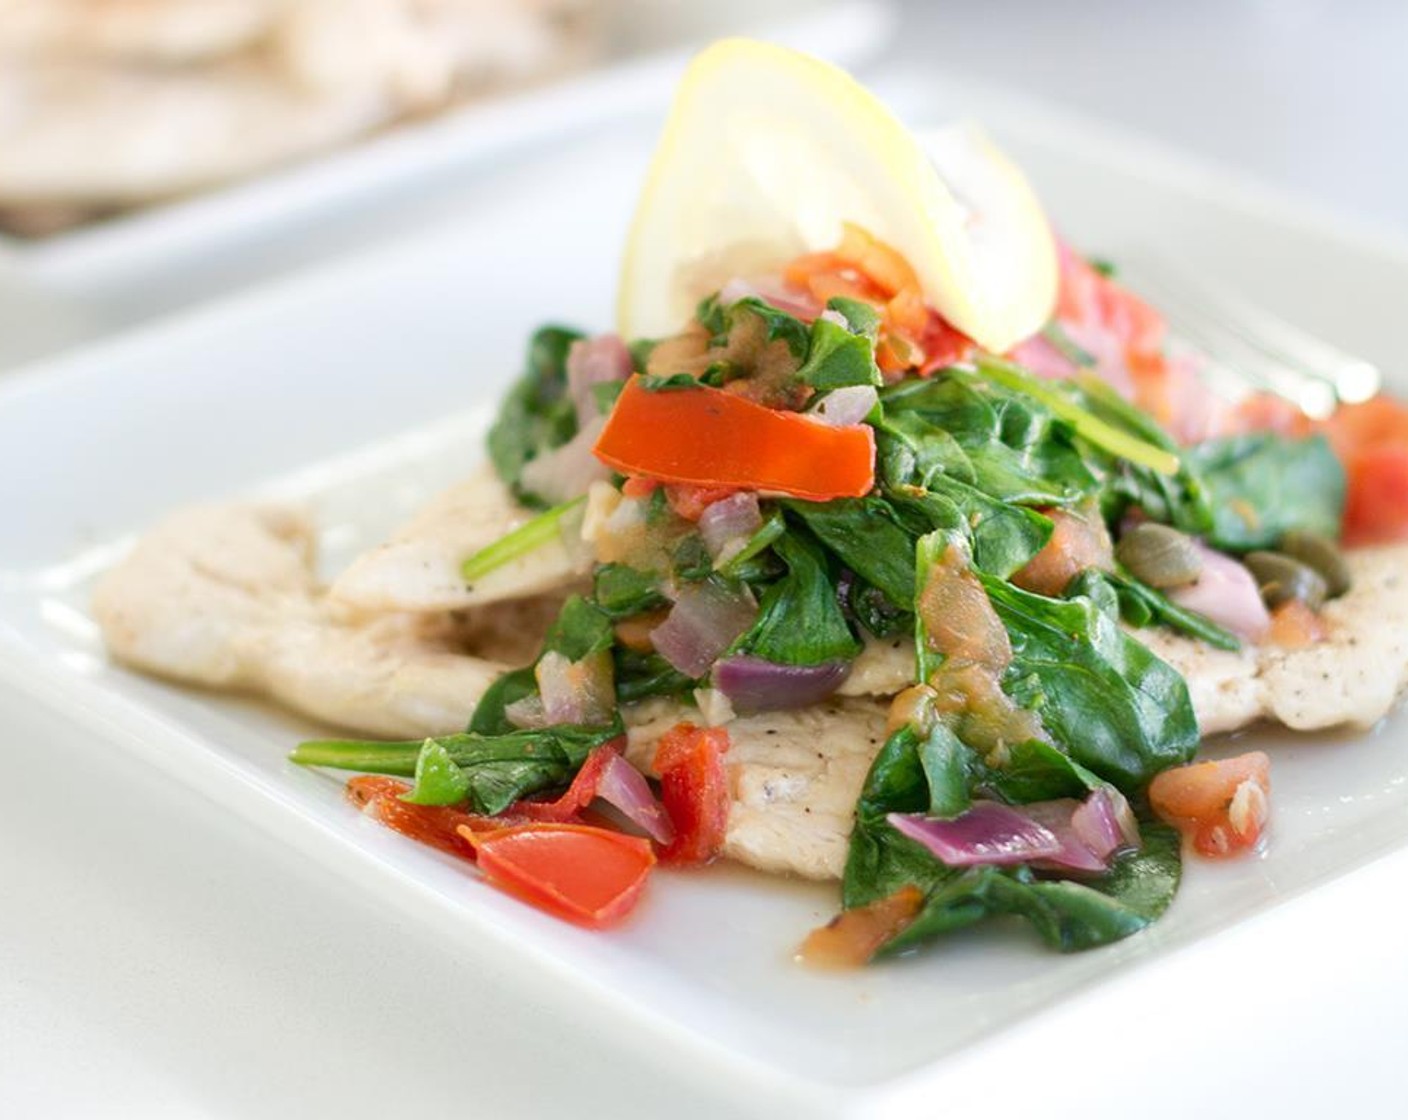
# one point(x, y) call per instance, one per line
point(710, 438)
point(690, 502)
point(1376, 507)
point(694, 790)
point(436, 825)
point(580, 794)
point(1222, 807)
point(590, 876)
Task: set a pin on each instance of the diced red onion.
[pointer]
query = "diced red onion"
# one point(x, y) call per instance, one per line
point(594, 361)
point(705, 620)
point(989, 832)
point(1226, 593)
point(1038, 355)
point(753, 684)
point(835, 318)
point(1075, 854)
point(1059, 835)
point(729, 522)
point(623, 787)
point(527, 712)
point(771, 290)
point(566, 472)
point(1105, 822)
point(842, 408)
point(575, 691)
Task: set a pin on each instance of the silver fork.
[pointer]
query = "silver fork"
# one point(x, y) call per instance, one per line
point(1243, 346)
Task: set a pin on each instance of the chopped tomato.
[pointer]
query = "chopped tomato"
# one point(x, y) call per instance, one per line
point(694, 789)
point(1221, 806)
point(690, 502)
point(878, 262)
point(912, 334)
point(587, 875)
point(851, 938)
point(1371, 440)
point(1076, 543)
point(639, 487)
point(1295, 626)
point(706, 437)
point(436, 825)
point(580, 794)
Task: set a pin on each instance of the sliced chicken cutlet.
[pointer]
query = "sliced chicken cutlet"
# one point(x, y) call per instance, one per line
point(794, 778)
point(1353, 677)
point(226, 597)
point(418, 569)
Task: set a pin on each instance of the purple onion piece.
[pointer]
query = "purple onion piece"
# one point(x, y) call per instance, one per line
point(735, 518)
point(705, 620)
point(842, 408)
point(753, 684)
point(1105, 823)
point(1226, 593)
point(594, 361)
point(988, 833)
point(566, 472)
point(624, 788)
point(1075, 854)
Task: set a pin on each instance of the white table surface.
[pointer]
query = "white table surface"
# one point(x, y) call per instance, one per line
point(160, 958)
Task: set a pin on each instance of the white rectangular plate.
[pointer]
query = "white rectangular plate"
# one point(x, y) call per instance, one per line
point(361, 389)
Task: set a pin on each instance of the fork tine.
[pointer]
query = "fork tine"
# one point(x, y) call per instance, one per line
point(1258, 345)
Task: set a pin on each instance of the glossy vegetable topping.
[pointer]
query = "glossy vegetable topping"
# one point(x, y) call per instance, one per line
point(707, 437)
point(694, 788)
point(1281, 579)
point(1321, 553)
point(853, 937)
point(586, 875)
point(1221, 807)
point(1160, 556)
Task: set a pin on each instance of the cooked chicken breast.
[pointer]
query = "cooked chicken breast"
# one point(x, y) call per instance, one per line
point(418, 569)
point(226, 597)
point(793, 776)
point(1353, 677)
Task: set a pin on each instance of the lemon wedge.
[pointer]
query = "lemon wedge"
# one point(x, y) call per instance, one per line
point(767, 152)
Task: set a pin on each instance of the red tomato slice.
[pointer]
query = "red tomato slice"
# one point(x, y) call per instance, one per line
point(436, 825)
point(1222, 806)
point(1376, 506)
point(718, 440)
point(694, 789)
point(587, 875)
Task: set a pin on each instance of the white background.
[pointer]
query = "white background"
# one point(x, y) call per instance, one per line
point(160, 958)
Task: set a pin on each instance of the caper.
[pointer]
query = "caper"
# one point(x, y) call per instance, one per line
point(1159, 556)
point(1282, 578)
point(1322, 554)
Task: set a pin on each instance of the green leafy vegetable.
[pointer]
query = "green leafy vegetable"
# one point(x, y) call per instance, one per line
point(1115, 707)
point(537, 415)
point(1263, 485)
point(800, 621)
point(439, 781)
point(1068, 915)
point(1091, 427)
point(498, 769)
point(838, 355)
